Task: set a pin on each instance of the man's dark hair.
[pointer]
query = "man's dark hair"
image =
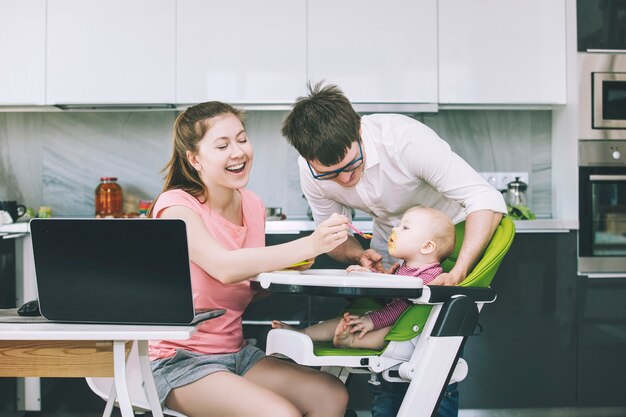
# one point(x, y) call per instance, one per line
point(323, 125)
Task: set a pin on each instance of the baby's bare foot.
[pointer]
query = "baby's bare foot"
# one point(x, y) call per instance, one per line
point(343, 337)
point(276, 324)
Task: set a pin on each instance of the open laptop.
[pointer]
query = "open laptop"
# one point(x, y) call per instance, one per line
point(114, 271)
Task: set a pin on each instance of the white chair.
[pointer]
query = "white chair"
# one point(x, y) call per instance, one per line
point(105, 387)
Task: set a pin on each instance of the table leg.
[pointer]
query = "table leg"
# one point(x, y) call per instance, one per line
point(28, 389)
point(110, 402)
point(119, 372)
point(148, 380)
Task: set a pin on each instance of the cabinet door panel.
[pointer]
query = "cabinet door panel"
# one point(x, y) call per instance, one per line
point(112, 51)
point(502, 51)
point(526, 354)
point(241, 51)
point(23, 52)
point(602, 343)
point(376, 52)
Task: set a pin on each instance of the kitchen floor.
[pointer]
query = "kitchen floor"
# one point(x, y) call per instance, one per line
point(72, 398)
point(540, 412)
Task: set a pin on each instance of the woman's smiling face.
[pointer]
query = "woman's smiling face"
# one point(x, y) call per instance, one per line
point(224, 154)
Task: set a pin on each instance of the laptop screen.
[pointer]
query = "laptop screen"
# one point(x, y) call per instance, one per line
point(132, 271)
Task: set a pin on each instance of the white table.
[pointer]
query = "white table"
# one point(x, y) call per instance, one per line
point(340, 283)
point(82, 350)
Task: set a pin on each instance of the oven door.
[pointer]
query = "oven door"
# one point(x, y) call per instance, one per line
point(609, 100)
point(602, 217)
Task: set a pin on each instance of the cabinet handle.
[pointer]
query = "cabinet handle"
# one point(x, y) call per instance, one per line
point(607, 177)
point(607, 51)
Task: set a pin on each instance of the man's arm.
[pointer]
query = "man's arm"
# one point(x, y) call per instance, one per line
point(349, 252)
point(479, 229)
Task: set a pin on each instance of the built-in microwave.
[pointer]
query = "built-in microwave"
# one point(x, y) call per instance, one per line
point(602, 93)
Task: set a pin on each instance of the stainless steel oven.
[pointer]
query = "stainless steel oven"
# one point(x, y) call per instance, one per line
point(602, 93)
point(602, 207)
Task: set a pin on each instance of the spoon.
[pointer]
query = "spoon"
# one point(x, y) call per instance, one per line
point(363, 235)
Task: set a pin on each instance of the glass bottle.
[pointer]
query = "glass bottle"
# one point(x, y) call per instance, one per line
point(109, 198)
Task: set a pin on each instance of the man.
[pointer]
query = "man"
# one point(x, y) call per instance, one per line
point(384, 164)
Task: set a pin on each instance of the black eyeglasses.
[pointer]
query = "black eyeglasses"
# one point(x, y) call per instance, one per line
point(349, 167)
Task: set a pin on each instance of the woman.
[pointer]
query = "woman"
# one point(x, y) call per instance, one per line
point(215, 373)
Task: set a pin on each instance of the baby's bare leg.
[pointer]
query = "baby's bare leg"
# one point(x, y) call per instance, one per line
point(321, 332)
point(324, 331)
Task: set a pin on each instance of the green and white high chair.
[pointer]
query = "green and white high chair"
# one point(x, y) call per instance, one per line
point(424, 343)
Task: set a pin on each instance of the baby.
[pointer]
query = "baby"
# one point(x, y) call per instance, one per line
point(424, 238)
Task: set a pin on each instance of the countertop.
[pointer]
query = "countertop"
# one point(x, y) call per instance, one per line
point(521, 226)
point(294, 226)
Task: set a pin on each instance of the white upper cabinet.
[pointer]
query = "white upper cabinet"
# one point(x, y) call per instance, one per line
point(111, 51)
point(375, 51)
point(241, 51)
point(502, 51)
point(22, 52)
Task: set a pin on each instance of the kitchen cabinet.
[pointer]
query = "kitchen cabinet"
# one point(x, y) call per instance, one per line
point(111, 51)
point(526, 356)
point(601, 25)
point(375, 52)
point(241, 51)
point(502, 52)
point(23, 52)
point(602, 342)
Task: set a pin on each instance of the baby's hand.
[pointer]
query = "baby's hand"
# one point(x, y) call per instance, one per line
point(393, 269)
point(361, 324)
point(353, 268)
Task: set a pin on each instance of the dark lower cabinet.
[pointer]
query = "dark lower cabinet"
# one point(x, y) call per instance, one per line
point(7, 273)
point(526, 356)
point(602, 342)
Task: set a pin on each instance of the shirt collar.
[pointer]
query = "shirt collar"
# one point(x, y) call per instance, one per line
point(371, 153)
point(419, 270)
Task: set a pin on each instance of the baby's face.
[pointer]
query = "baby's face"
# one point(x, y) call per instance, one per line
point(406, 239)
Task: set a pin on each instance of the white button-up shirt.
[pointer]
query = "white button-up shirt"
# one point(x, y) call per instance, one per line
point(406, 164)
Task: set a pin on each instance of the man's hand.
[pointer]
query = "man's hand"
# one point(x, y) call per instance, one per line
point(361, 324)
point(371, 260)
point(448, 279)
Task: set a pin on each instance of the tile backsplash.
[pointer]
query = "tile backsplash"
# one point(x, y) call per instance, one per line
point(56, 159)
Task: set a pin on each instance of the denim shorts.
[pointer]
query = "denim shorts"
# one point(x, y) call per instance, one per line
point(186, 367)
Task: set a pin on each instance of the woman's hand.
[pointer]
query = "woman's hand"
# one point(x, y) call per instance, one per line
point(331, 233)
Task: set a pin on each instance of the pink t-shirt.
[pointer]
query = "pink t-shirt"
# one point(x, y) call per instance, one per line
point(223, 334)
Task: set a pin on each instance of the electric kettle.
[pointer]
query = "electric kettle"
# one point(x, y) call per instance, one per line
point(515, 194)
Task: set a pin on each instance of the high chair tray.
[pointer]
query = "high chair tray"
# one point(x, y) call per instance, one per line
point(339, 283)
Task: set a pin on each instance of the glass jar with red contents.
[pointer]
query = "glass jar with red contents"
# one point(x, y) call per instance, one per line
point(109, 198)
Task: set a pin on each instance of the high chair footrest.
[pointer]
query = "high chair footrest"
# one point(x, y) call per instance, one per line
point(299, 347)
